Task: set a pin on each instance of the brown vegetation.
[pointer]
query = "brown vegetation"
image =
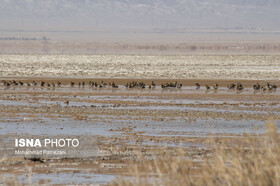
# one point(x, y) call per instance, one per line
point(254, 161)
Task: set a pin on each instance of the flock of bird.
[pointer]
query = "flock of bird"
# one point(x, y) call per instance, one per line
point(135, 84)
point(239, 86)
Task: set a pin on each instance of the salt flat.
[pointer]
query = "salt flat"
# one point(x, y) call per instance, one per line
point(250, 67)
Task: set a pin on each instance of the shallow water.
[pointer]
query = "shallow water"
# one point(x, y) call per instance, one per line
point(122, 116)
point(169, 144)
point(49, 127)
point(16, 103)
point(201, 127)
point(63, 178)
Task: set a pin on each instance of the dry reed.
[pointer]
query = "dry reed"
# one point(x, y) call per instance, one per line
point(255, 160)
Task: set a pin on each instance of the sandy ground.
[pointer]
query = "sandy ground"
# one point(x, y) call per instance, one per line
point(249, 67)
point(130, 123)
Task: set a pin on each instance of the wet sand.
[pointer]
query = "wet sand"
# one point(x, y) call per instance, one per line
point(130, 123)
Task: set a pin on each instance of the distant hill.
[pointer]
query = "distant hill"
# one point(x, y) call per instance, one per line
point(143, 15)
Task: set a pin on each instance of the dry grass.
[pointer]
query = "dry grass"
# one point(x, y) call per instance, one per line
point(253, 161)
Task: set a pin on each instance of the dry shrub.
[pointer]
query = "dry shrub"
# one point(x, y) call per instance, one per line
point(253, 161)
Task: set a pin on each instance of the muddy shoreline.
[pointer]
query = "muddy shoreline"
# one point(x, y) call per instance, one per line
point(129, 123)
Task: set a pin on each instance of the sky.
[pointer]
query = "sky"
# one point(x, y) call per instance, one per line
point(139, 15)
